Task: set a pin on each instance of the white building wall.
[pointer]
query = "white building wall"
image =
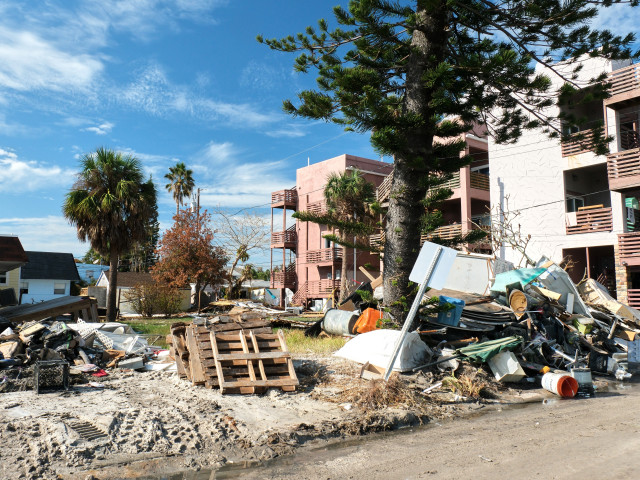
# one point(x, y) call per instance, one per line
point(528, 177)
point(42, 290)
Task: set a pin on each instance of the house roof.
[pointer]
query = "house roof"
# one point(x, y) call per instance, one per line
point(12, 255)
point(130, 279)
point(50, 266)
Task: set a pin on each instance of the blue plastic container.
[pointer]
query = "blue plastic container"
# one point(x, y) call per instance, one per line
point(451, 317)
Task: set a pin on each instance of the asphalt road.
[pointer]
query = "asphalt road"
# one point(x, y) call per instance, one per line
point(561, 439)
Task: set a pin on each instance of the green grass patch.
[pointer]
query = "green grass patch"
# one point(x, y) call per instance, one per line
point(298, 343)
point(155, 327)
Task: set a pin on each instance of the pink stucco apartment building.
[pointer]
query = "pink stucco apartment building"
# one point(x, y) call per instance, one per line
point(310, 265)
point(307, 263)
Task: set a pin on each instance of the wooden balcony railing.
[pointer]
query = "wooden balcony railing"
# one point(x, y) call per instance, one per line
point(623, 168)
point(592, 219)
point(629, 247)
point(624, 80)
point(322, 288)
point(317, 208)
point(283, 280)
point(480, 181)
point(452, 183)
point(383, 191)
point(288, 236)
point(633, 297)
point(324, 255)
point(289, 197)
point(446, 232)
point(574, 146)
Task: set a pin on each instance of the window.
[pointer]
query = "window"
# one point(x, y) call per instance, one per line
point(4, 278)
point(59, 288)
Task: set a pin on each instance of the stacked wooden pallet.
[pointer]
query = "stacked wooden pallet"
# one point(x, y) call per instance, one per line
point(236, 357)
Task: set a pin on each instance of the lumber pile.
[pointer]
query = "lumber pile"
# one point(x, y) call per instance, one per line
point(234, 354)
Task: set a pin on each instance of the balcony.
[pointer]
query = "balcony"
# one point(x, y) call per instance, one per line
point(284, 280)
point(317, 208)
point(591, 219)
point(623, 169)
point(324, 255)
point(286, 239)
point(580, 142)
point(383, 191)
point(625, 84)
point(445, 232)
point(322, 288)
point(633, 297)
point(284, 198)
point(629, 247)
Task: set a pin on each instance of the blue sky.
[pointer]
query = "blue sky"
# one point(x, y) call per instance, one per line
point(164, 80)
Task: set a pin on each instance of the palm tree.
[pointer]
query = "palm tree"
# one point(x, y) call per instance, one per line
point(180, 184)
point(348, 195)
point(110, 204)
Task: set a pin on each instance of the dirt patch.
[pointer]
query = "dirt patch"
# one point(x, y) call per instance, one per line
point(141, 424)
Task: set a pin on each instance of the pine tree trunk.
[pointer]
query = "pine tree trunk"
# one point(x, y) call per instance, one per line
point(113, 286)
point(403, 230)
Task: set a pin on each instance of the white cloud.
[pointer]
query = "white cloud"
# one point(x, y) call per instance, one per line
point(46, 234)
point(290, 132)
point(238, 184)
point(101, 129)
point(153, 92)
point(30, 175)
point(29, 62)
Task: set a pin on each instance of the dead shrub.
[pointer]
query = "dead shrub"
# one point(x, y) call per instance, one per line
point(470, 382)
point(378, 394)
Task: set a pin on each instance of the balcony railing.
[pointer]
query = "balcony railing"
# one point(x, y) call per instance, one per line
point(446, 232)
point(590, 219)
point(288, 236)
point(283, 280)
point(480, 181)
point(322, 288)
point(324, 255)
point(383, 191)
point(623, 169)
point(288, 197)
point(317, 208)
point(629, 247)
point(574, 146)
point(633, 297)
point(624, 80)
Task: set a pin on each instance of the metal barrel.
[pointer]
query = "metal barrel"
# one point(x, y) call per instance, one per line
point(339, 322)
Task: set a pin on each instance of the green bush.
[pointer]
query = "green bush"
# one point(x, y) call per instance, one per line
point(147, 300)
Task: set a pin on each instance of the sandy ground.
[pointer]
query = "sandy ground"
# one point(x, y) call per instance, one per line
point(147, 424)
point(587, 439)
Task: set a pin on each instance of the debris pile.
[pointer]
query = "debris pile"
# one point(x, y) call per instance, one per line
point(31, 351)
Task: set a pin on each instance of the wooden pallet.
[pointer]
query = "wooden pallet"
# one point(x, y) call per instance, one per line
point(244, 357)
point(250, 362)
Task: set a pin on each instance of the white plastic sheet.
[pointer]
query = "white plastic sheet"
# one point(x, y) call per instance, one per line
point(376, 347)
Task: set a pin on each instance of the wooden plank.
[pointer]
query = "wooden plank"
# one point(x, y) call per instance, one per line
point(219, 372)
point(251, 356)
point(283, 344)
point(195, 364)
point(261, 369)
point(245, 349)
point(261, 383)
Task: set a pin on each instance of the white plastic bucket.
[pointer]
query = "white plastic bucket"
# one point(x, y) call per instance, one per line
point(562, 384)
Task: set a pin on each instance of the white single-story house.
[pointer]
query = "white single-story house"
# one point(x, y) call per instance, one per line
point(47, 275)
point(128, 280)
